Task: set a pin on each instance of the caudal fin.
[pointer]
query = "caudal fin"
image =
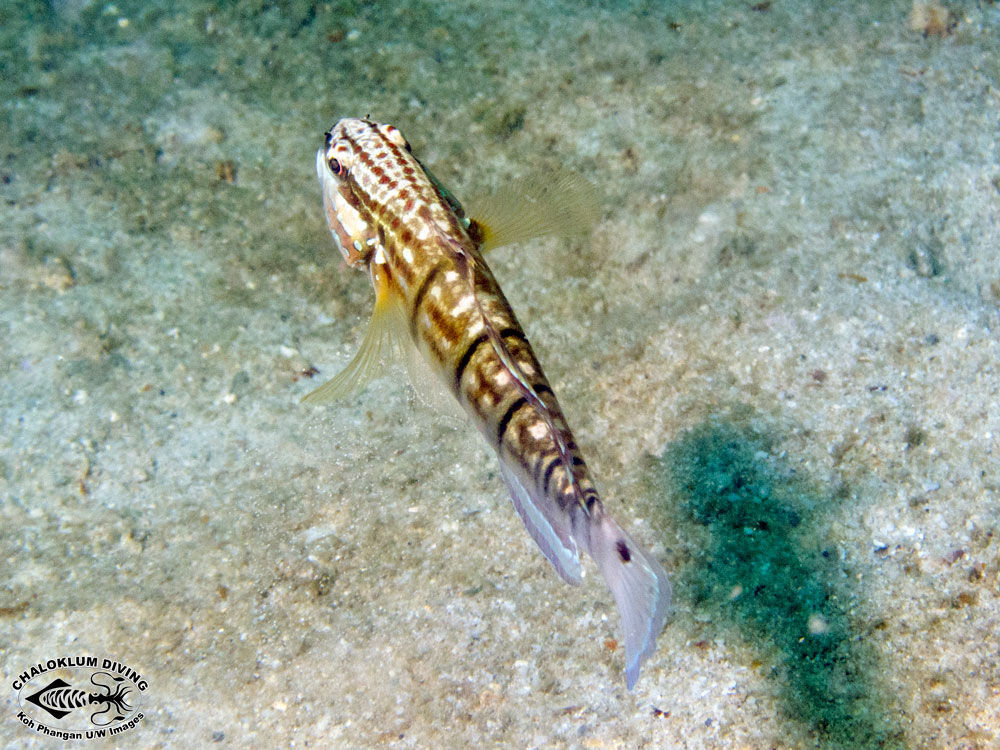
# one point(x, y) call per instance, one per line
point(640, 588)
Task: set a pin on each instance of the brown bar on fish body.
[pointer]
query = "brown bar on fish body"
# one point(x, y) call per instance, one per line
point(433, 289)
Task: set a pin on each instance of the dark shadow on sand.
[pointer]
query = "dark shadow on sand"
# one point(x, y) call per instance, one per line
point(763, 569)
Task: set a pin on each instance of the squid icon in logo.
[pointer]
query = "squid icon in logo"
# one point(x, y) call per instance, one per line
point(59, 698)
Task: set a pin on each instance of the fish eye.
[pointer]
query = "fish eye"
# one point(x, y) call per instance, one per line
point(335, 166)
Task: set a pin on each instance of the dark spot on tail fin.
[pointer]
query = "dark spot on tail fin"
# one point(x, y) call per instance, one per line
point(623, 552)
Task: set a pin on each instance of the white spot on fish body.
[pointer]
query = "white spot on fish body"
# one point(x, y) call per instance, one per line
point(463, 305)
point(450, 275)
point(379, 253)
point(347, 215)
point(538, 430)
point(407, 255)
point(424, 233)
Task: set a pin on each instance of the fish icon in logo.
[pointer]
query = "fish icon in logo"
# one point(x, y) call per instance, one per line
point(59, 698)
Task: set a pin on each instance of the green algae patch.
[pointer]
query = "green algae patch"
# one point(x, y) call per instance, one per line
point(760, 571)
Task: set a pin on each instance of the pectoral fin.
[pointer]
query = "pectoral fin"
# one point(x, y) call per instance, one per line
point(548, 526)
point(562, 205)
point(385, 341)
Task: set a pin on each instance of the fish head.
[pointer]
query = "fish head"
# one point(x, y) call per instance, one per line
point(350, 231)
point(349, 180)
